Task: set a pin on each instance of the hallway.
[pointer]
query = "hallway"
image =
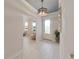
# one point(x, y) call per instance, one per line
point(39, 50)
point(22, 16)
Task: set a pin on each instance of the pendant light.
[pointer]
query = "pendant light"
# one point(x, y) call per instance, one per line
point(42, 11)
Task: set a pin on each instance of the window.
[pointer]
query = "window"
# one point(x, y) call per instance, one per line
point(33, 26)
point(47, 26)
point(26, 26)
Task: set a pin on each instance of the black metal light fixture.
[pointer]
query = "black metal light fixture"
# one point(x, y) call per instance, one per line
point(42, 11)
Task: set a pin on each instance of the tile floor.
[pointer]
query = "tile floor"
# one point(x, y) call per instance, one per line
point(43, 49)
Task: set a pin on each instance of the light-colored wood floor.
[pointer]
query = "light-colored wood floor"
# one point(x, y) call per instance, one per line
point(43, 49)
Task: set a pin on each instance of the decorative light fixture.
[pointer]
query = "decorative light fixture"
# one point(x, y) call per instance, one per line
point(42, 11)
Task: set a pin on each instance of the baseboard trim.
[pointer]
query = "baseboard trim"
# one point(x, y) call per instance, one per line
point(15, 55)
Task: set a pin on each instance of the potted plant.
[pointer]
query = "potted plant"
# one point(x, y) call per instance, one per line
point(57, 36)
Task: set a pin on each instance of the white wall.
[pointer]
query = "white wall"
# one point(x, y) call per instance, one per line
point(14, 11)
point(13, 24)
point(67, 35)
point(39, 30)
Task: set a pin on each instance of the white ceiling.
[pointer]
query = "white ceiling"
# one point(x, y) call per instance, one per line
point(51, 5)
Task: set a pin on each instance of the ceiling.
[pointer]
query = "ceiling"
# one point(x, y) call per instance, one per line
point(51, 5)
